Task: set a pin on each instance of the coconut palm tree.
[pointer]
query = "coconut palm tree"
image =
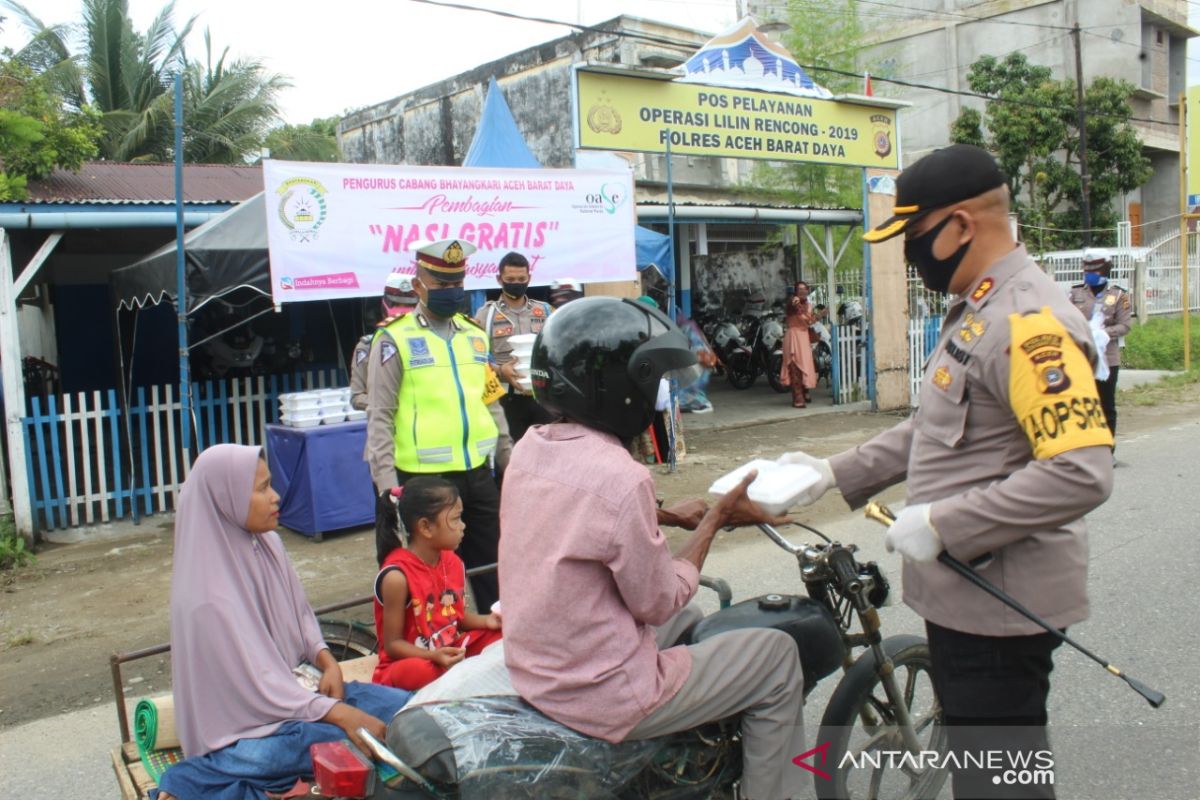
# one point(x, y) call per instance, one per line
point(128, 75)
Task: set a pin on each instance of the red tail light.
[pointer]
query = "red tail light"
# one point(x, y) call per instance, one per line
point(341, 770)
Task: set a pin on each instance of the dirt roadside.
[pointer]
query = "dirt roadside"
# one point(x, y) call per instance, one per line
point(62, 619)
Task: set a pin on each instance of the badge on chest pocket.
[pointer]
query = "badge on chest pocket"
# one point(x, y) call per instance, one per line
point(943, 411)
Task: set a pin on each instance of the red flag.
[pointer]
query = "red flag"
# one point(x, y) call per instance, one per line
point(867, 85)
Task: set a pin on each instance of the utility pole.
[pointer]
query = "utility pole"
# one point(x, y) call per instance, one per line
point(1085, 206)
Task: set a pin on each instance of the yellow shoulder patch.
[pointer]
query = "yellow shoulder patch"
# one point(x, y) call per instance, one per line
point(493, 389)
point(1051, 387)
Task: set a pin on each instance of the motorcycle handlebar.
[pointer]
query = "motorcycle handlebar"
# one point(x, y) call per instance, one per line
point(845, 570)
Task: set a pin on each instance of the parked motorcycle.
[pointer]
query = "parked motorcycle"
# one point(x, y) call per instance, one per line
point(730, 346)
point(884, 702)
point(823, 352)
point(764, 354)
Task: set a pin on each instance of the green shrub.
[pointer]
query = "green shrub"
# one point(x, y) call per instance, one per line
point(13, 552)
point(1159, 344)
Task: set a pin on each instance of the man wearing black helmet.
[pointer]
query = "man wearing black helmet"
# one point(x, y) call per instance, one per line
point(593, 599)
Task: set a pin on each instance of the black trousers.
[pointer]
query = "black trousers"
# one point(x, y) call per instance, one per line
point(1108, 398)
point(522, 412)
point(481, 516)
point(993, 692)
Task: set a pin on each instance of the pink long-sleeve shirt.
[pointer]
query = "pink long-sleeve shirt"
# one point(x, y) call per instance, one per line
point(584, 574)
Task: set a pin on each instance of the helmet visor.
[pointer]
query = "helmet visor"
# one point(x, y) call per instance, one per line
point(685, 376)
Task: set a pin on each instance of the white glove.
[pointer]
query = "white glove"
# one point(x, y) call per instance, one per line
point(821, 465)
point(913, 535)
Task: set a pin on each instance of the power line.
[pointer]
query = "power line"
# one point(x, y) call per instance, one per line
point(661, 40)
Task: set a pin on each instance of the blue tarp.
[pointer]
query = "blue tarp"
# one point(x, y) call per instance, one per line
point(654, 248)
point(498, 143)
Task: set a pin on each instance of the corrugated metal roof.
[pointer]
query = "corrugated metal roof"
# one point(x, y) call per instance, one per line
point(147, 184)
point(657, 195)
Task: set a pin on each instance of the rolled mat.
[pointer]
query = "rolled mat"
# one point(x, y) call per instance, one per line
point(154, 732)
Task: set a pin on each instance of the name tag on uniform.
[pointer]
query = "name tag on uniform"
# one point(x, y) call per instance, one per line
point(418, 353)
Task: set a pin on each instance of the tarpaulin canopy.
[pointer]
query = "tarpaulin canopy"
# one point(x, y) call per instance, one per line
point(654, 250)
point(226, 253)
point(498, 143)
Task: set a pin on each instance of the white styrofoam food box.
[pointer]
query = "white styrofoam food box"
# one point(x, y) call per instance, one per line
point(777, 487)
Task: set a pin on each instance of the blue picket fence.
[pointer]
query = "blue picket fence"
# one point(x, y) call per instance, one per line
point(80, 452)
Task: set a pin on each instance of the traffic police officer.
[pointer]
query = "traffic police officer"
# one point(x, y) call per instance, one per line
point(510, 315)
point(1098, 295)
point(398, 298)
point(428, 414)
point(1006, 453)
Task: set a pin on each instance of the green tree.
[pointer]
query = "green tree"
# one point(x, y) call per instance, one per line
point(229, 107)
point(127, 76)
point(1032, 128)
point(316, 141)
point(38, 133)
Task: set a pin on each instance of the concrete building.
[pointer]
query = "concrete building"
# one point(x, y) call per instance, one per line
point(434, 125)
point(936, 41)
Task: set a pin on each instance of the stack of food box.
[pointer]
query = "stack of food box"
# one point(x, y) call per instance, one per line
point(320, 406)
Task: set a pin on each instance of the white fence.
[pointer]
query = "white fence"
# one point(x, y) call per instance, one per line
point(85, 465)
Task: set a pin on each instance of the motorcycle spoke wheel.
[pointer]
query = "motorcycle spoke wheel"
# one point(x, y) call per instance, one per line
point(867, 758)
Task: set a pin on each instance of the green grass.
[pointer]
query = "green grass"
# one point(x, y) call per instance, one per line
point(1159, 344)
point(1170, 389)
point(13, 552)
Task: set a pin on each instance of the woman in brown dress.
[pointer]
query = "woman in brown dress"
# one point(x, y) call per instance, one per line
point(798, 369)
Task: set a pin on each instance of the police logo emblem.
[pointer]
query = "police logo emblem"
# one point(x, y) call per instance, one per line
point(478, 344)
point(942, 378)
point(386, 351)
point(418, 352)
point(1054, 379)
point(1111, 300)
point(360, 356)
point(538, 311)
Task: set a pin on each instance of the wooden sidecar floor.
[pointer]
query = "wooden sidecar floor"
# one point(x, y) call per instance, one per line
point(132, 777)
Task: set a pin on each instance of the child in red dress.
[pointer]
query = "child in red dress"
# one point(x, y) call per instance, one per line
point(420, 617)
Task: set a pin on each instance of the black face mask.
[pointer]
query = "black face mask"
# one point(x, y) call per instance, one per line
point(935, 272)
point(515, 290)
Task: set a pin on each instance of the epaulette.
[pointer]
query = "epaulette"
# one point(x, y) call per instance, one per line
point(1079, 286)
point(472, 321)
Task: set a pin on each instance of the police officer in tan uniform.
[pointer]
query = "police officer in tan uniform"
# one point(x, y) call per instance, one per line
point(1098, 295)
point(1006, 453)
point(512, 314)
point(398, 298)
point(431, 408)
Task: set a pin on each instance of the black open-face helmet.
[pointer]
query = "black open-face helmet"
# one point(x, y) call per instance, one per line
point(598, 361)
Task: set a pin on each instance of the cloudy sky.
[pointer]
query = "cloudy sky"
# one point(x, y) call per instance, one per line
point(355, 53)
point(370, 51)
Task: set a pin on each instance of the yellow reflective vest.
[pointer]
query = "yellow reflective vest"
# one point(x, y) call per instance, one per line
point(442, 423)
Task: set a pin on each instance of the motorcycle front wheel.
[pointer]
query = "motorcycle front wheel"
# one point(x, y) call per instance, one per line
point(740, 371)
point(864, 746)
point(823, 360)
point(775, 372)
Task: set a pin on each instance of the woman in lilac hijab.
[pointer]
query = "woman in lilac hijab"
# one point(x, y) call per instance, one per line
point(239, 624)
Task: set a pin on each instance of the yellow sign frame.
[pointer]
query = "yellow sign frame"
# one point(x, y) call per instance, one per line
point(636, 113)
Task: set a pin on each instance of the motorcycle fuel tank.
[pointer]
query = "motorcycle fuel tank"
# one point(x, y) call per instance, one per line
point(804, 619)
